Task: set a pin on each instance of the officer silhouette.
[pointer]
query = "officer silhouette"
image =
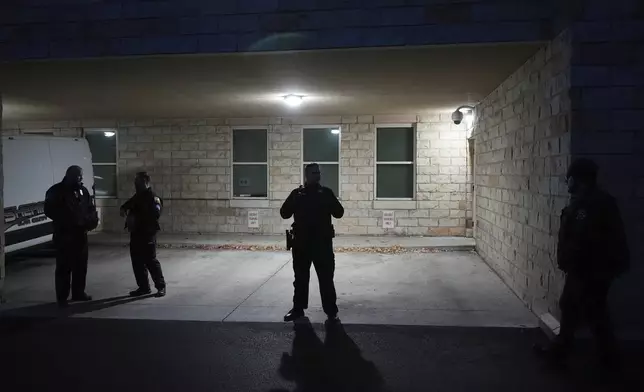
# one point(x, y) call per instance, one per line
point(312, 206)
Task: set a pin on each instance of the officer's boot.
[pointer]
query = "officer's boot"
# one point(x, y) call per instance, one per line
point(160, 292)
point(332, 318)
point(82, 297)
point(140, 292)
point(294, 314)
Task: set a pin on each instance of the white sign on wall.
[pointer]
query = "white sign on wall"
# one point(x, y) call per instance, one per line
point(253, 219)
point(388, 220)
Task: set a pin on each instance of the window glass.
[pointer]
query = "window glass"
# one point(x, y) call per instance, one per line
point(395, 181)
point(105, 180)
point(395, 145)
point(103, 147)
point(250, 181)
point(249, 145)
point(321, 145)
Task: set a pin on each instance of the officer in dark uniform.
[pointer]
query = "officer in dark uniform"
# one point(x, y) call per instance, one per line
point(592, 251)
point(69, 205)
point(312, 206)
point(143, 211)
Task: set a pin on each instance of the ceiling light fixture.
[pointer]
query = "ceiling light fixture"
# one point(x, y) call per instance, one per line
point(335, 131)
point(109, 133)
point(293, 100)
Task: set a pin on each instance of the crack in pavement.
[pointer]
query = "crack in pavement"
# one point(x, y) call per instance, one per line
point(257, 289)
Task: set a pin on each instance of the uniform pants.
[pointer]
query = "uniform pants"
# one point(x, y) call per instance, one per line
point(320, 254)
point(71, 267)
point(586, 300)
point(143, 252)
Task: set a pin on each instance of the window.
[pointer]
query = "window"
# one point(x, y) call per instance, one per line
point(395, 162)
point(250, 163)
point(102, 144)
point(322, 146)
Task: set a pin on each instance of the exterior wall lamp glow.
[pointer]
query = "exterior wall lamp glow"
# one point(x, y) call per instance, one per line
point(293, 100)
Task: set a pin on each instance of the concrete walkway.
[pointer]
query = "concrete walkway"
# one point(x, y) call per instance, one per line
point(278, 242)
point(443, 288)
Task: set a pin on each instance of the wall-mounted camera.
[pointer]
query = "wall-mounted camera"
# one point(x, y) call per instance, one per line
point(457, 117)
point(464, 113)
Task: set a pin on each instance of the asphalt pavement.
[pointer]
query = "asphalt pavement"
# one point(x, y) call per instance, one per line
point(71, 354)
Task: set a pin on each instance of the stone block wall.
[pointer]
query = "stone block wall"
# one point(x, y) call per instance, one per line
point(190, 164)
point(581, 96)
point(57, 128)
point(95, 28)
point(522, 143)
point(607, 90)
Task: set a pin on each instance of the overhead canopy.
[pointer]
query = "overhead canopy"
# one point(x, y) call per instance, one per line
point(334, 82)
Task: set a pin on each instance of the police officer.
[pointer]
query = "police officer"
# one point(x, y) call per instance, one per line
point(69, 205)
point(143, 211)
point(592, 251)
point(312, 206)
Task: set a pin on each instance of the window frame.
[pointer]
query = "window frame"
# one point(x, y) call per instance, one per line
point(116, 157)
point(303, 162)
point(266, 129)
point(413, 127)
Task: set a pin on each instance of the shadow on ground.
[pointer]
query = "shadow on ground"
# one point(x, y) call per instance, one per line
point(84, 354)
point(333, 365)
point(22, 317)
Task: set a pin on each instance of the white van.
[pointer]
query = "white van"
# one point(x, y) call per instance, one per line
point(31, 165)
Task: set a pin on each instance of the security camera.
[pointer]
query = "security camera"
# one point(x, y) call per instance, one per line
point(457, 117)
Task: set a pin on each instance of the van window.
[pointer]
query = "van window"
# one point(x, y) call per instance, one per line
point(103, 145)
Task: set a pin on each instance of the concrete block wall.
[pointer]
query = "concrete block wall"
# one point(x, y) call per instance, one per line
point(581, 96)
point(191, 168)
point(522, 143)
point(607, 90)
point(57, 128)
point(74, 29)
point(441, 206)
point(190, 164)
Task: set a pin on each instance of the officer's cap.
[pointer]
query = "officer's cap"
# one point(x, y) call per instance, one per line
point(583, 169)
point(144, 175)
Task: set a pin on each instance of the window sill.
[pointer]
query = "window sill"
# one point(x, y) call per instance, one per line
point(394, 204)
point(250, 203)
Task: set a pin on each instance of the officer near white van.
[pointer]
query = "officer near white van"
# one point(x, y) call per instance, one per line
point(69, 205)
point(143, 211)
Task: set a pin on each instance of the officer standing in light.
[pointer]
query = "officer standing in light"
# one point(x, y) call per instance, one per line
point(143, 211)
point(312, 206)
